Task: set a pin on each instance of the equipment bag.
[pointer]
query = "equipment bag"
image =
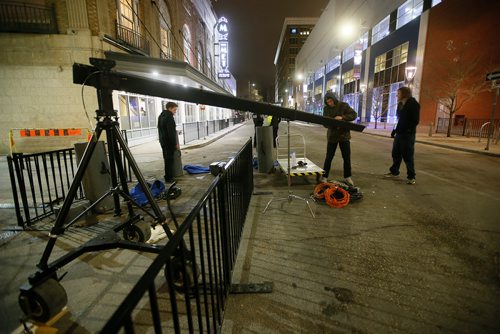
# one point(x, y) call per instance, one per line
point(137, 193)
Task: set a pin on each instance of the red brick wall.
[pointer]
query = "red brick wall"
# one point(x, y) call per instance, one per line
point(463, 21)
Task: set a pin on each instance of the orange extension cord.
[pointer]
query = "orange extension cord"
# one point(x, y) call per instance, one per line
point(334, 196)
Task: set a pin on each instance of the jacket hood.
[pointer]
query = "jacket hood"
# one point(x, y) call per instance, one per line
point(331, 95)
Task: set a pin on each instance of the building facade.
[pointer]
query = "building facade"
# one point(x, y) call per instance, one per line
point(171, 40)
point(396, 43)
point(293, 36)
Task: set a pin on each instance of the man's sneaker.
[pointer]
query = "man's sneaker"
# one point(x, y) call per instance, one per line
point(349, 181)
point(410, 181)
point(391, 174)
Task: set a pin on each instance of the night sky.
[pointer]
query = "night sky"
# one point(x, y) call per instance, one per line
point(255, 28)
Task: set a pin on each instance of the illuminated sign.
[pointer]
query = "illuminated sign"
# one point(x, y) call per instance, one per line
point(223, 32)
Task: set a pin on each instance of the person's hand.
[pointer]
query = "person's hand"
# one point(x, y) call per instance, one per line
point(338, 118)
point(393, 133)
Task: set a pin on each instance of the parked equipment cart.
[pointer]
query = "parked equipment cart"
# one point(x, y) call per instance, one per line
point(296, 156)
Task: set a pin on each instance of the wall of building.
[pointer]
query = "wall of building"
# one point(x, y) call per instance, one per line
point(36, 83)
point(461, 21)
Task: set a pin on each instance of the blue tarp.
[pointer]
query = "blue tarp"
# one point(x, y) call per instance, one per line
point(196, 169)
point(157, 187)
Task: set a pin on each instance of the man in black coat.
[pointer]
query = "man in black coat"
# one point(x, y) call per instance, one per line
point(169, 141)
point(258, 120)
point(403, 147)
point(275, 123)
point(338, 136)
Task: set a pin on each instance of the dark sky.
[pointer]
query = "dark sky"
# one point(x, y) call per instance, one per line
point(255, 28)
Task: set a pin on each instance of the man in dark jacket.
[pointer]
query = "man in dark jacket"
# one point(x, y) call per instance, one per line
point(169, 141)
point(338, 136)
point(403, 147)
point(275, 123)
point(258, 120)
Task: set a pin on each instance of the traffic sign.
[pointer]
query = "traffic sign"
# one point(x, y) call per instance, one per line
point(493, 76)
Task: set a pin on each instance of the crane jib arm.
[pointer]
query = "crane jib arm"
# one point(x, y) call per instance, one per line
point(101, 77)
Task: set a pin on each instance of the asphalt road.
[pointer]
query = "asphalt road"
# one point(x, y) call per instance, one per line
point(420, 258)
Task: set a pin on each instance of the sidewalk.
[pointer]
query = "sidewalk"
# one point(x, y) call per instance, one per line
point(455, 142)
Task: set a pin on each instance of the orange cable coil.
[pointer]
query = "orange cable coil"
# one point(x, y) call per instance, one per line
point(337, 197)
point(319, 190)
point(334, 196)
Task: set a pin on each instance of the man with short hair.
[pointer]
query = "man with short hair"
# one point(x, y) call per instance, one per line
point(167, 134)
point(403, 147)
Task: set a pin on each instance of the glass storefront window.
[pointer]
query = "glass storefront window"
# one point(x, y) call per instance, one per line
point(143, 114)
point(151, 109)
point(190, 113)
point(124, 116)
point(133, 108)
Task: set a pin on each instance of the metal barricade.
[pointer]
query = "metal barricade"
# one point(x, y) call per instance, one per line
point(39, 183)
point(212, 232)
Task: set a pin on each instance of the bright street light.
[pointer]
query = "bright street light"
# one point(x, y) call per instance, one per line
point(410, 73)
point(347, 29)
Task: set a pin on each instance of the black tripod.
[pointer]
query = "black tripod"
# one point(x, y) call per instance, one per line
point(290, 196)
point(43, 296)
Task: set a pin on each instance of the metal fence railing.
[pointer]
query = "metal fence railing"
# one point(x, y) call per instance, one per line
point(39, 183)
point(132, 38)
point(27, 18)
point(470, 127)
point(212, 234)
point(198, 130)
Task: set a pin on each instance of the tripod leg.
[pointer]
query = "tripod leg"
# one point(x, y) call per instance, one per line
point(140, 178)
point(121, 168)
point(63, 213)
point(112, 151)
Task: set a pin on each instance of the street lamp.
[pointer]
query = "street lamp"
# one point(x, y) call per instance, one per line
point(410, 74)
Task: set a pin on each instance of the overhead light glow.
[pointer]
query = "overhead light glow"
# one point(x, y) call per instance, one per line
point(347, 29)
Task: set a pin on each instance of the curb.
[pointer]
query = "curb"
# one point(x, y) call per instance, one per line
point(496, 155)
point(211, 140)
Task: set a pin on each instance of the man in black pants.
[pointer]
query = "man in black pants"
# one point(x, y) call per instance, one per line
point(169, 141)
point(338, 136)
point(275, 123)
point(403, 147)
point(258, 120)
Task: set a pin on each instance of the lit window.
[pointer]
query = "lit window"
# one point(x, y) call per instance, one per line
point(408, 11)
point(187, 44)
point(380, 30)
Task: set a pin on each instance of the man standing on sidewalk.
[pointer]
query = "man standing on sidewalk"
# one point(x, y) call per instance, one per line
point(404, 134)
point(167, 134)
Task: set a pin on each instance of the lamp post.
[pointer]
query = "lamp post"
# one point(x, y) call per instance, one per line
point(252, 92)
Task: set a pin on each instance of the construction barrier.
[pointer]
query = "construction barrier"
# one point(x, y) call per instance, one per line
point(44, 140)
